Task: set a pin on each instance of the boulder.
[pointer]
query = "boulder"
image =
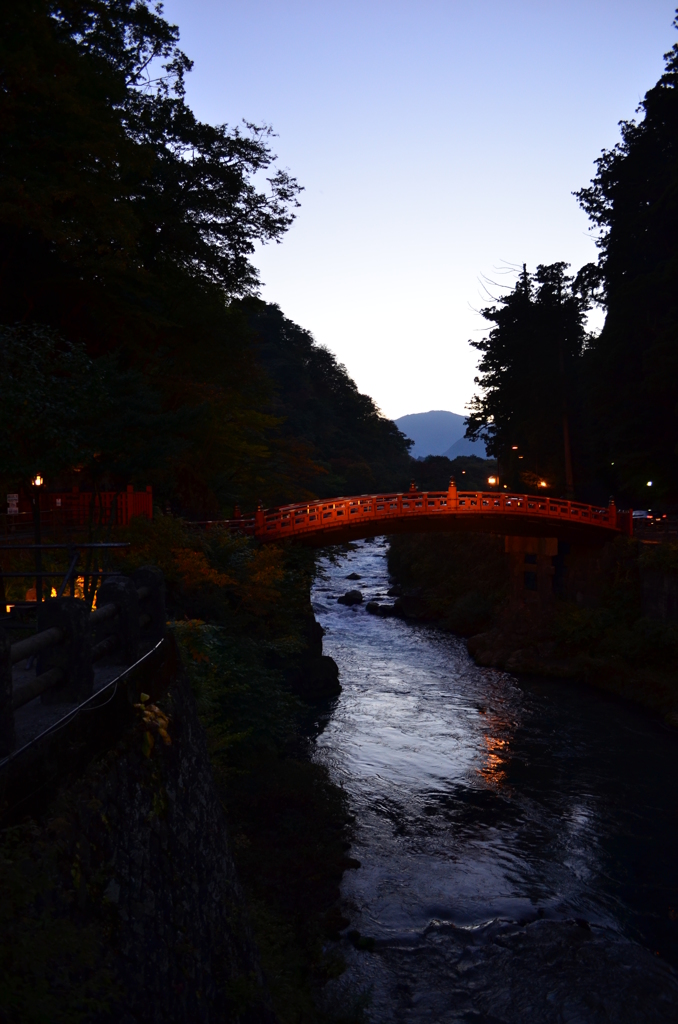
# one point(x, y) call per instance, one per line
point(350, 598)
point(316, 679)
point(385, 611)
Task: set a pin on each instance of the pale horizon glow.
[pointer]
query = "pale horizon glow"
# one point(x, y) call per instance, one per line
point(438, 144)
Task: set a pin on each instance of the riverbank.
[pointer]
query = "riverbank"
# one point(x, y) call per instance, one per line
point(253, 653)
point(515, 846)
point(616, 634)
point(197, 879)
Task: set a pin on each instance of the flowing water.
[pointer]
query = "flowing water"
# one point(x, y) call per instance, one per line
point(518, 839)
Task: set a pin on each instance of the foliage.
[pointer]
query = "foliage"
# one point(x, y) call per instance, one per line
point(529, 409)
point(126, 225)
point(633, 202)
point(470, 472)
point(460, 579)
point(288, 822)
point(54, 968)
point(61, 410)
point(214, 575)
point(615, 627)
point(354, 447)
point(45, 402)
point(103, 163)
point(663, 557)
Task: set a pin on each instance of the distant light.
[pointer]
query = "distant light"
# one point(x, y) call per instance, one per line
point(542, 483)
point(514, 447)
point(505, 486)
point(38, 481)
point(649, 483)
point(612, 463)
point(492, 480)
point(521, 456)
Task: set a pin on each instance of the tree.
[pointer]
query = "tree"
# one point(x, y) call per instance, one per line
point(61, 411)
point(126, 226)
point(633, 201)
point(105, 168)
point(528, 412)
point(353, 447)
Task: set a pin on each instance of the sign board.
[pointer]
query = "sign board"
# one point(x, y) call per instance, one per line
point(12, 504)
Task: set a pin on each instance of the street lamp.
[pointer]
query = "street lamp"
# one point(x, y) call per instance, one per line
point(37, 482)
point(493, 480)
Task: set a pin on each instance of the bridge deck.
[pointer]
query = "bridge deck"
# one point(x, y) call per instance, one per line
point(340, 519)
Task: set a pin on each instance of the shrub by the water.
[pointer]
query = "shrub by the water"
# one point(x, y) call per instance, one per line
point(457, 579)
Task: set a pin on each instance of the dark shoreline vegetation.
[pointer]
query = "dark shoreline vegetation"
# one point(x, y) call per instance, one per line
point(618, 634)
point(252, 652)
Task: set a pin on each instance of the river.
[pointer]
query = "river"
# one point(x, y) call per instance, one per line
point(517, 838)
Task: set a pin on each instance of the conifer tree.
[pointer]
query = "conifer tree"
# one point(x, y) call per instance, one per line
point(633, 371)
point(528, 411)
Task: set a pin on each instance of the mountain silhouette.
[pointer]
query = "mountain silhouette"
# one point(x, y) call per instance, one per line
point(438, 432)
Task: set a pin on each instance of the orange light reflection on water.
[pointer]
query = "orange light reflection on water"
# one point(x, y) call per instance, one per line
point(497, 747)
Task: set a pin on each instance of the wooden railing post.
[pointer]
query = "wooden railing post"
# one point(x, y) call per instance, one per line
point(612, 509)
point(122, 592)
point(6, 711)
point(452, 494)
point(73, 656)
point(152, 604)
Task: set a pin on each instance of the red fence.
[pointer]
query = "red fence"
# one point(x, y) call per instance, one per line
point(493, 512)
point(76, 507)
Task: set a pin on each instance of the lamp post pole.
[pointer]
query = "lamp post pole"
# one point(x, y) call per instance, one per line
point(37, 484)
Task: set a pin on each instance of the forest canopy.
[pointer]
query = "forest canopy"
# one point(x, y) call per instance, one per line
point(127, 231)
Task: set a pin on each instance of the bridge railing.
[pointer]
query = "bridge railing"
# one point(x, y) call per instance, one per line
point(316, 516)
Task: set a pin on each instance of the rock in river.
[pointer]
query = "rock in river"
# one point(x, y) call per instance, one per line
point(352, 597)
point(386, 611)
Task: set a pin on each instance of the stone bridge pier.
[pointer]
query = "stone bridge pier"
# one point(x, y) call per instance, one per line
point(544, 569)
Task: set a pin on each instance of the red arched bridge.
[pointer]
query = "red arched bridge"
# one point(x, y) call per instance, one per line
point(337, 520)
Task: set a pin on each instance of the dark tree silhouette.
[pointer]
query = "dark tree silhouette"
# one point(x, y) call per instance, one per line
point(528, 410)
point(633, 201)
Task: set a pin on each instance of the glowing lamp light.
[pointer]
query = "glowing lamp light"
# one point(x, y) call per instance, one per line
point(38, 481)
point(514, 447)
point(492, 480)
point(649, 483)
point(542, 483)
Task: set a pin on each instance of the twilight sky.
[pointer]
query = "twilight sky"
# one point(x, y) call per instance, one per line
point(438, 143)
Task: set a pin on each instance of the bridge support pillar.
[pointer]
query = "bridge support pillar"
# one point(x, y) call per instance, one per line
point(533, 569)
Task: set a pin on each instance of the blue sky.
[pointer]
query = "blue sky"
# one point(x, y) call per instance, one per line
point(438, 143)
